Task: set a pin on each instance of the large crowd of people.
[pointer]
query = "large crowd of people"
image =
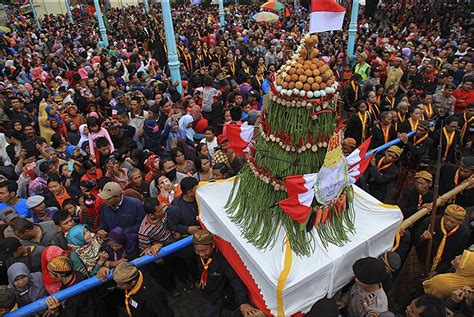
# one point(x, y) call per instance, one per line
point(101, 153)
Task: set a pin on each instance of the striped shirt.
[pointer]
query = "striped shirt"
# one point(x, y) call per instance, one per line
point(151, 233)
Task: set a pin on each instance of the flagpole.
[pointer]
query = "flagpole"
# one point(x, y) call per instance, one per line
point(353, 28)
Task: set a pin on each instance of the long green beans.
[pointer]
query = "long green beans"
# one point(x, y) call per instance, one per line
point(254, 204)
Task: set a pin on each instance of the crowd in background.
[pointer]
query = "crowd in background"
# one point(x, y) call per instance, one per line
point(101, 154)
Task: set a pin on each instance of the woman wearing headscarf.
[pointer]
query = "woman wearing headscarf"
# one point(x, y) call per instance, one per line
point(84, 132)
point(44, 123)
point(120, 247)
point(27, 286)
point(442, 285)
point(174, 134)
point(73, 133)
point(50, 253)
point(199, 122)
point(86, 248)
point(185, 124)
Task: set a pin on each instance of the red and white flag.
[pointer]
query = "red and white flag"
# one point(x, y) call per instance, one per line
point(326, 15)
point(357, 161)
point(239, 136)
point(301, 194)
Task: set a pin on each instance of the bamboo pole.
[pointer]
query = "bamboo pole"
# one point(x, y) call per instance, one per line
point(407, 223)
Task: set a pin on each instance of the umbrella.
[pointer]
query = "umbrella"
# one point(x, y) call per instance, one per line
point(4, 29)
point(265, 17)
point(273, 5)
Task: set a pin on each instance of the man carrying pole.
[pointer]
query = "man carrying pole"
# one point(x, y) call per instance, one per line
point(448, 238)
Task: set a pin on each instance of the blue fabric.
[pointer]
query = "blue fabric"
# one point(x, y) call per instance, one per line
point(70, 150)
point(21, 208)
point(128, 216)
point(76, 235)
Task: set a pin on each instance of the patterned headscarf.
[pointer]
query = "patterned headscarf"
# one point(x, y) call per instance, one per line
point(88, 252)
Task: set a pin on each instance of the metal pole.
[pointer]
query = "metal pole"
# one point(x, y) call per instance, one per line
point(92, 282)
point(173, 61)
point(69, 13)
point(35, 15)
point(387, 145)
point(147, 7)
point(100, 20)
point(221, 14)
point(295, 5)
point(353, 28)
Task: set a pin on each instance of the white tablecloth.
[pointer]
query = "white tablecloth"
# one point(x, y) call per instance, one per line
point(310, 278)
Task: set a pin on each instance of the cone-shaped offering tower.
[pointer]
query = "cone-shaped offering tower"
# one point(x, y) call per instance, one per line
point(298, 133)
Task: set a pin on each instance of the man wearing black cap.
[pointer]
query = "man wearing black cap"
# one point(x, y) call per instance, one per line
point(12, 251)
point(366, 296)
point(452, 175)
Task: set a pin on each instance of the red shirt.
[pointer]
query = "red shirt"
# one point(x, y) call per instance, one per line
point(463, 98)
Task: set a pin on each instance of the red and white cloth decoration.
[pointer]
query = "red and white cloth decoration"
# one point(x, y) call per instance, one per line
point(326, 15)
point(357, 161)
point(301, 194)
point(239, 136)
point(301, 188)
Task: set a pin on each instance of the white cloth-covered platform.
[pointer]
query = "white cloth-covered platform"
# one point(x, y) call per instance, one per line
point(309, 278)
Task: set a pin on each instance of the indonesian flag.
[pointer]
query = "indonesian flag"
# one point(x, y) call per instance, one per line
point(326, 15)
point(239, 136)
point(301, 194)
point(358, 162)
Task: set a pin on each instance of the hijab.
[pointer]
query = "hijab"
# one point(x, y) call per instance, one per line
point(72, 136)
point(183, 122)
point(442, 285)
point(50, 253)
point(127, 241)
point(87, 252)
point(53, 117)
point(84, 137)
point(35, 288)
point(179, 134)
